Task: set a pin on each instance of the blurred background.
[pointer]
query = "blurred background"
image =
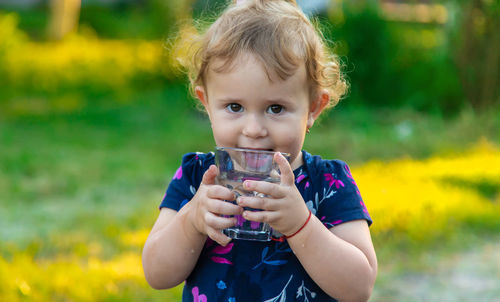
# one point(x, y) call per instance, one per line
point(95, 116)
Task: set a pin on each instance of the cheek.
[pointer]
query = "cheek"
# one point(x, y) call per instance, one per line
point(222, 134)
point(291, 138)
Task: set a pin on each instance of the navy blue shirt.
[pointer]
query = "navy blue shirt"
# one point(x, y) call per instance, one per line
point(265, 271)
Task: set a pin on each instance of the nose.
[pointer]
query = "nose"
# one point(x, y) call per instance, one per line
point(254, 127)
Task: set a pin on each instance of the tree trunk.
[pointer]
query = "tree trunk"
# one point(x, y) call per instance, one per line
point(64, 18)
point(478, 53)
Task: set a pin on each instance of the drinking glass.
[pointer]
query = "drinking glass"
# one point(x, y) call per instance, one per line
point(237, 165)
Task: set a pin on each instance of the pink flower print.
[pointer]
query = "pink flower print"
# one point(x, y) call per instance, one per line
point(221, 260)
point(178, 173)
point(196, 295)
point(364, 207)
point(330, 224)
point(348, 173)
point(221, 250)
point(338, 183)
point(300, 178)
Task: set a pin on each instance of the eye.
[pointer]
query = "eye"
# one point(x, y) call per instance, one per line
point(233, 107)
point(275, 109)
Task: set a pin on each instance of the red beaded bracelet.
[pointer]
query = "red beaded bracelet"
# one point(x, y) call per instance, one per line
point(303, 226)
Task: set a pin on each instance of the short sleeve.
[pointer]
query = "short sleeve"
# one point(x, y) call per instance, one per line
point(186, 180)
point(339, 198)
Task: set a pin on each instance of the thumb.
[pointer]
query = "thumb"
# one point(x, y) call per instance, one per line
point(287, 177)
point(210, 175)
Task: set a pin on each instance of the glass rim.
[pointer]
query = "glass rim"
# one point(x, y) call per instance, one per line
point(251, 150)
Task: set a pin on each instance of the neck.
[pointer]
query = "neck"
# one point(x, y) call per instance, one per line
point(298, 161)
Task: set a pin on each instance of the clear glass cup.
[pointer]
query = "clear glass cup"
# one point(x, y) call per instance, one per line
point(237, 165)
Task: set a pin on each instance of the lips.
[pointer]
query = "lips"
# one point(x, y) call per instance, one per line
point(258, 162)
point(256, 149)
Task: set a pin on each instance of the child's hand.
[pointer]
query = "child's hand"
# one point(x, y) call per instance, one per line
point(208, 206)
point(283, 208)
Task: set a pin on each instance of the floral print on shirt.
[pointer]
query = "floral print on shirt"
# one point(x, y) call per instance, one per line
point(265, 271)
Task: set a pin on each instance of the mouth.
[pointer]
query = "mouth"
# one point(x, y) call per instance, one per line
point(254, 160)
point(256, 149)
point(258, 160)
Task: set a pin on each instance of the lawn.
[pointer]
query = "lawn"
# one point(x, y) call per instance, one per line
point(80, 187)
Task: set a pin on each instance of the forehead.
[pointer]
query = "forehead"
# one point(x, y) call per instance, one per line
point(248, 70)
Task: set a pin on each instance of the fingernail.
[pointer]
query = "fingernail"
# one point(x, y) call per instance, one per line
point(246, 184)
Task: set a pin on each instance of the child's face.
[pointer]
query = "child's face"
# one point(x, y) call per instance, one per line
point(247, 110)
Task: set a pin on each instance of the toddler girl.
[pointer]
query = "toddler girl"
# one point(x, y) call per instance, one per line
point(263, 74)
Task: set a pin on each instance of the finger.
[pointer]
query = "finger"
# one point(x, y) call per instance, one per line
point(218, 237)
point(219, 207)
point(264, 187)
point(219, 222)
point(261, 203)
point(210, 175)
point(220, 192)
point(260, 216)
point(287, 177)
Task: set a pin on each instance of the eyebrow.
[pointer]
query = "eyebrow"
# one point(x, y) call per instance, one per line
point(278, 100)
point(268, 101)
point(228, 100)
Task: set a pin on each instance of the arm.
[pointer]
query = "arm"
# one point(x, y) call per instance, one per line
point(177, 238)
point(341, 260)
point(172, 249)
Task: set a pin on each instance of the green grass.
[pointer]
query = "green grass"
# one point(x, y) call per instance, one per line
point(360, 134)
point(107, 164)
point(92, 170)
point(75, 179)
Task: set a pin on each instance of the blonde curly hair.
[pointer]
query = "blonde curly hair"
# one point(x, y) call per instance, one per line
point(278, 34)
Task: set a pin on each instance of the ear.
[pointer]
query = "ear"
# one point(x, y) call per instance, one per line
point(317, 106)
point(202, 96)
